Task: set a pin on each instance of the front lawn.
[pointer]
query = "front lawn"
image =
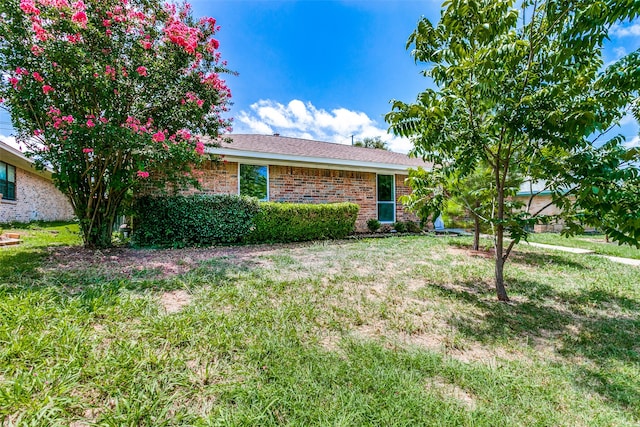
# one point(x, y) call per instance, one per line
point(596, 243)
point(399, 331)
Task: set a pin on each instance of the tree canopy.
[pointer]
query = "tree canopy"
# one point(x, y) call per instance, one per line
point(111, 96)
point(522, 87)
point(369, 142)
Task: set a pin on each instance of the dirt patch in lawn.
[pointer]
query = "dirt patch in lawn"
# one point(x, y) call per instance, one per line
point(470, 252)
point(174, 301)
point(452, 391)
point(153, 264)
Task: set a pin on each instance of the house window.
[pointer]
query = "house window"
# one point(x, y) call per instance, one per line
point(386, 199)
point(7, 181)
point(254, 181)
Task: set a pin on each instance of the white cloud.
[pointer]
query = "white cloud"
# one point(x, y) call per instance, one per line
point(625, 31)
point(635, 142)
point(300, 120)
point(627, 119)
point(620, 52)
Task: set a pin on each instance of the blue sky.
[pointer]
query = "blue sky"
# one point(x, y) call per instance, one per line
point(327, 69)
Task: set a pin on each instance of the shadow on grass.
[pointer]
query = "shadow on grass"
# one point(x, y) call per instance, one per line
point(533, 259)
point(596, 344)
point(95, 286)
point(20, 266)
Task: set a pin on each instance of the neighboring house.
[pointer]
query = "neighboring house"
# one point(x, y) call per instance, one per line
point(537, 200)
point(28, 194)
point(282, 169)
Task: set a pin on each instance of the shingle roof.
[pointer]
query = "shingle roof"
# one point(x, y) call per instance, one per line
point(304, 148)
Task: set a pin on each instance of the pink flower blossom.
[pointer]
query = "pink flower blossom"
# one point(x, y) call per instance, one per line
point(29, 7)
point(213, 45)
point(87, 150)
point(181, 34)
point(142, 70)
point(106, 23)
point(41, 33)
point(79, 5)
point(211, 22)
point(158, 136)
point(46, 89)
point(104, 120)
point(90, 123)
point(145, 44)
point(37, 50)
point(20, 70)
point(37, 77)
point(80, 17)
point(110, 71)
point(74, 38)
point(143, 174)
point(200, 148)
point(14, 82)
point(184, 134)
point(38, 132)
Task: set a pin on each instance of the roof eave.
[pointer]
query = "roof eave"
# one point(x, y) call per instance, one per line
point(15, 158)
point(308, 161)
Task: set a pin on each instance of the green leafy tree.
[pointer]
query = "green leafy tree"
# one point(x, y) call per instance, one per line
point(522, 87)
point(433, 194)
point(372, 143)
point(111, 96)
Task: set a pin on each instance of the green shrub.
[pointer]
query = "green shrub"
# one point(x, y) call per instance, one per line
point(400, 227)
point(200, 219)
point(413, 227)
point(296, 222)
point(373, 225)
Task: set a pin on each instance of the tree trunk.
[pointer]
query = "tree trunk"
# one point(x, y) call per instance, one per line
point(97, 219)
point(476, 233)
point(99, 234)
point(501, 291)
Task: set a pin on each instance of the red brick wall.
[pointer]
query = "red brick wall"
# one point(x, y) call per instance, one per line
point(401, 190)
point(311, 185)
point(219, 177)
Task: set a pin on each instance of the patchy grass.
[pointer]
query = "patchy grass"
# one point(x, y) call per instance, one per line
point(399, 331)
point(596, 243)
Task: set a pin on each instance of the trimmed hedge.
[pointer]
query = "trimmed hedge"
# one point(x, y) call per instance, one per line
point(205, 219)
point(296, 222)
point(201, 219)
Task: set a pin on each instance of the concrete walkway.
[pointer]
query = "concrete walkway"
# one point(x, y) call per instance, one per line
point(560, 248)
point(627, 261)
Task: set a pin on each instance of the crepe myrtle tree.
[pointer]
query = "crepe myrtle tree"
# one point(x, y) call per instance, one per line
point(111, 95)
point(521, 87)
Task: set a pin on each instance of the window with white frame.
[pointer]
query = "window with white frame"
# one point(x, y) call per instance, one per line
point(254, 181)
point(7, 181)
point(386, 199)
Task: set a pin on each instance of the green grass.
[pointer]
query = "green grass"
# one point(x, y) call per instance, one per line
point(595, 243)
point(399, 332)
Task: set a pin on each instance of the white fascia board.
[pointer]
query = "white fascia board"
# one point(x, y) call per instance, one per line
point(15, 158)
point(308, 162)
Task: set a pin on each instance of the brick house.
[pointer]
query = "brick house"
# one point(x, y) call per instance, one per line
point(282, 169)
point(28, 194)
